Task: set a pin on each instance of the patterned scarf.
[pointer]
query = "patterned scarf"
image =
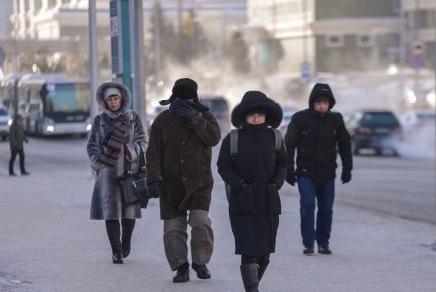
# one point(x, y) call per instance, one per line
point(115, 140)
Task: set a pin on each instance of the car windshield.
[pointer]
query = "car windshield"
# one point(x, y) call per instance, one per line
point(2, 112)
point(379, 118)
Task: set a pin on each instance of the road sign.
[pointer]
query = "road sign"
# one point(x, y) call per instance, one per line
point(417, 62)
point(305, 70)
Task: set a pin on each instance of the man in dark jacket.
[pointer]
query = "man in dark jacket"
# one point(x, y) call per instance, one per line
point(16, 139)
point(317, 133)
point(179, 173)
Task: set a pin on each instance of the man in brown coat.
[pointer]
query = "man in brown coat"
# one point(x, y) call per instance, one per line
point(179, 173)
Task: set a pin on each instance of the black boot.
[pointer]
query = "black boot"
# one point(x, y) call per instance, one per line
point(250, 277)
point(114, 234)
point(261, 270)
point(182, 275)
point(126, 237)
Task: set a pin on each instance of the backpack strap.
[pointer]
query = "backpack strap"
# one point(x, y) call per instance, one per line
point(278, 139)
point(234, 144)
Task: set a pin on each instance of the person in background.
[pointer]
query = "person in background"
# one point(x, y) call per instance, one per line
point(255, 176)
point(316, 133)
point(16, 139)
point(116, 141)
point(179, 173)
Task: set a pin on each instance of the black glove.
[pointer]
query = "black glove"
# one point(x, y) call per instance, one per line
point(291, 178)
point(346, 176)
point(184, 110)
point(154, 190)
point(241, 185)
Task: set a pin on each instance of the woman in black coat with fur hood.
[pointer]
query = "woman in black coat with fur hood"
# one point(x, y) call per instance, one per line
point(255, 175)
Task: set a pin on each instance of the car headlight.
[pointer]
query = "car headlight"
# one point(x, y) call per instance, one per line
point(49, 125)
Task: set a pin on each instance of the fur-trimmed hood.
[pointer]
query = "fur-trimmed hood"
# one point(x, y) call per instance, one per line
point(124, 92)
point(257, 100)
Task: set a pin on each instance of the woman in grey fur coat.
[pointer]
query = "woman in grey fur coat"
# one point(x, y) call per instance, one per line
point(114, 145)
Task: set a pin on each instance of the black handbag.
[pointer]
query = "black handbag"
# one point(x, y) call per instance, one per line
point(133, 185)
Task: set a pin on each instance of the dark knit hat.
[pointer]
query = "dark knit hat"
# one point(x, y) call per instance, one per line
point(257, 101)
point(184, 88)
point(321, 91)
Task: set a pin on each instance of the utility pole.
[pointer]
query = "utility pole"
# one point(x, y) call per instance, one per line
point(402, 52)
point(127, 48)
point(15, 64)
point(434, 53)
point(305, 64)
point(120, 42)
point(137, 59)
point(92, 57)
point(157, 31)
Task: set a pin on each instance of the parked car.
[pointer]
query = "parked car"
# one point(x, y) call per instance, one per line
point(288, 112)
point(5, 122)
point(374, 129)
point(219, 106)
point(414, 120)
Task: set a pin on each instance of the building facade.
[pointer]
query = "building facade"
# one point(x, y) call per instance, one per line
point(62, 25)
point(345, 36)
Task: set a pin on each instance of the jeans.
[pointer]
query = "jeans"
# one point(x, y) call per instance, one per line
point(324, 193)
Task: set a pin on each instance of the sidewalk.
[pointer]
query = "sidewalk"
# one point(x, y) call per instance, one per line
point(47, 243)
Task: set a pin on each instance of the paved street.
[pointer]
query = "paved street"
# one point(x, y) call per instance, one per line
point(47, 242)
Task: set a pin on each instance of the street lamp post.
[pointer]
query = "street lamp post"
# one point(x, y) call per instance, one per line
point(434, 52)
point(92, 56)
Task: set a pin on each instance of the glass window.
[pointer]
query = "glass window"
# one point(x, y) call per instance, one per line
point(379, 118)
point(364, 40)
point(67, 97)
point(335, 41)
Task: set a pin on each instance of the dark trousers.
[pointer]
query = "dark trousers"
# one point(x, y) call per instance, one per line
point(14, 153)
point(324, 194)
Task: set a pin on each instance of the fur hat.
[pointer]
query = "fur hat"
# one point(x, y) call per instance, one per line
point(257, 101)
point(184, 88)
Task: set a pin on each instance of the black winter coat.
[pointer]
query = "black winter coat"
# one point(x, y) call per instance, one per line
point(254, 210)
point(317, 138)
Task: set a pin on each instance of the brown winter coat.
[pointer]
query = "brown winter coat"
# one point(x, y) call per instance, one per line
point(179, 155)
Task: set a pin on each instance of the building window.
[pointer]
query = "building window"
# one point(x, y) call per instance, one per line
point(335, 41)
point(364, 40)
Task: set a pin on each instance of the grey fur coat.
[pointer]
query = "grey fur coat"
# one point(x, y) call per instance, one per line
point(106, 202)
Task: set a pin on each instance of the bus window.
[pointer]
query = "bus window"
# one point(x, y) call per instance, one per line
point(67, 98)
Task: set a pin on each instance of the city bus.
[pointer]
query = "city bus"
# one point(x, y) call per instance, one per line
point(51, 104)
